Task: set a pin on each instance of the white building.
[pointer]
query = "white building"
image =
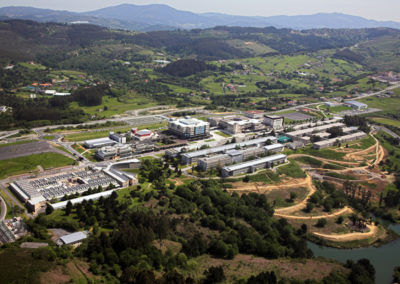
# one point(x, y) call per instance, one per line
point(189, 127)
point(276, 122)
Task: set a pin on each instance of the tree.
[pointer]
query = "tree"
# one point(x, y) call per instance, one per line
point(293, 196)
point(214, 274)
point(340, 220)
point(68, 208)
point(49, 209)
point(321, 223)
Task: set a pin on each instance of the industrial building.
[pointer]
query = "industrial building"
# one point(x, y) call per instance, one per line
point(191, 157)
point(356, 105)
point(114, 152)
point(189, 128)
point(274, 121)
point(331, 142)
point(35, 192)
point(98, 143)
point(95, 196)
point(73, 238)
point(254, 165)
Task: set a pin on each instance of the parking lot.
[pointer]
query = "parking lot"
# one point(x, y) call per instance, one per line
point(21, 150)
point(297, 116)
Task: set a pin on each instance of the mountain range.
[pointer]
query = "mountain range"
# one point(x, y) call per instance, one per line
point(163, 17)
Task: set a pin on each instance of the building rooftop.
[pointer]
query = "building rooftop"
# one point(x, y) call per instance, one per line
point(100, 141)
point(228, 147)
point(255, 162)
point(144, 132)
point(357, 104)
point(73, 238)
point(190, 121)
point(274, 116)
point(273, 146)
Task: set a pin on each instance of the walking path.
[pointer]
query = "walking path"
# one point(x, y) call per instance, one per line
point(373, 230)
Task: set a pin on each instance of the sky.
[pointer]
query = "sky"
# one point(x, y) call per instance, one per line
point(370, 9)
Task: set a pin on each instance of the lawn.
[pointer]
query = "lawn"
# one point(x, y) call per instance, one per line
point(220, 133)
point(309, 160)
point(49, 137)
point(26, 164)
point(292, 170)
point(324, 153)
point(114, 106)
point(363, 143)
point(387, 121)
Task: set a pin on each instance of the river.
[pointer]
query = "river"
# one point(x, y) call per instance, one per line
point(384, 258)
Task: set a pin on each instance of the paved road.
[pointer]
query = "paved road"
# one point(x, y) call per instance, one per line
point(3, 209)
point(388, 131)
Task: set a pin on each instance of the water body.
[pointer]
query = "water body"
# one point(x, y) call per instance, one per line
point(384, 258)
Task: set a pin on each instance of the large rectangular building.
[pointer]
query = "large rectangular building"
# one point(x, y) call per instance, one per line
point(98, 143)
point(188, 128)
point(191, 157)
point(114, 152)
point(35, 192)
point(356, 105)
point(214, 162)
point(331, 142)
point(252, 166)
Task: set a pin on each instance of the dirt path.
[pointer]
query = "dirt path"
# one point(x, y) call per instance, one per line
point(335, 214)
point(373, 230)
point(307, 182)
point(323, 159)
point(283, 211)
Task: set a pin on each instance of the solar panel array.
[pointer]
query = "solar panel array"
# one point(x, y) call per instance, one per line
point(60, 185)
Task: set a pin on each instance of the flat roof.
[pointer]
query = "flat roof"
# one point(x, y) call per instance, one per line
point(353, 135)
point(255, 162)
point(190, 121)
point(355, 103)
point(273, 146)
point(73, 238)
point(99, 141)
point(312, 129)
point(228, 147)
point(63, 204)
point(274, 116)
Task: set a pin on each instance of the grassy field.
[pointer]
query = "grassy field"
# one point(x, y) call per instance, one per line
point(385, 104)
point(114, 106)
point(82, 136)
point(292, 170)
point(309, 160)
point(26, 164)
point(223, 134)
point(18, 266)
point(387, 121)
point(17, 143)
point(49, 137)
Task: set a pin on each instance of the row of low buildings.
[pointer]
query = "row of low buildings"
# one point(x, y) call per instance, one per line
point(237, 156)
point(192, 157)
point(343, 139)
point(254, 165)
point(240, 124)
